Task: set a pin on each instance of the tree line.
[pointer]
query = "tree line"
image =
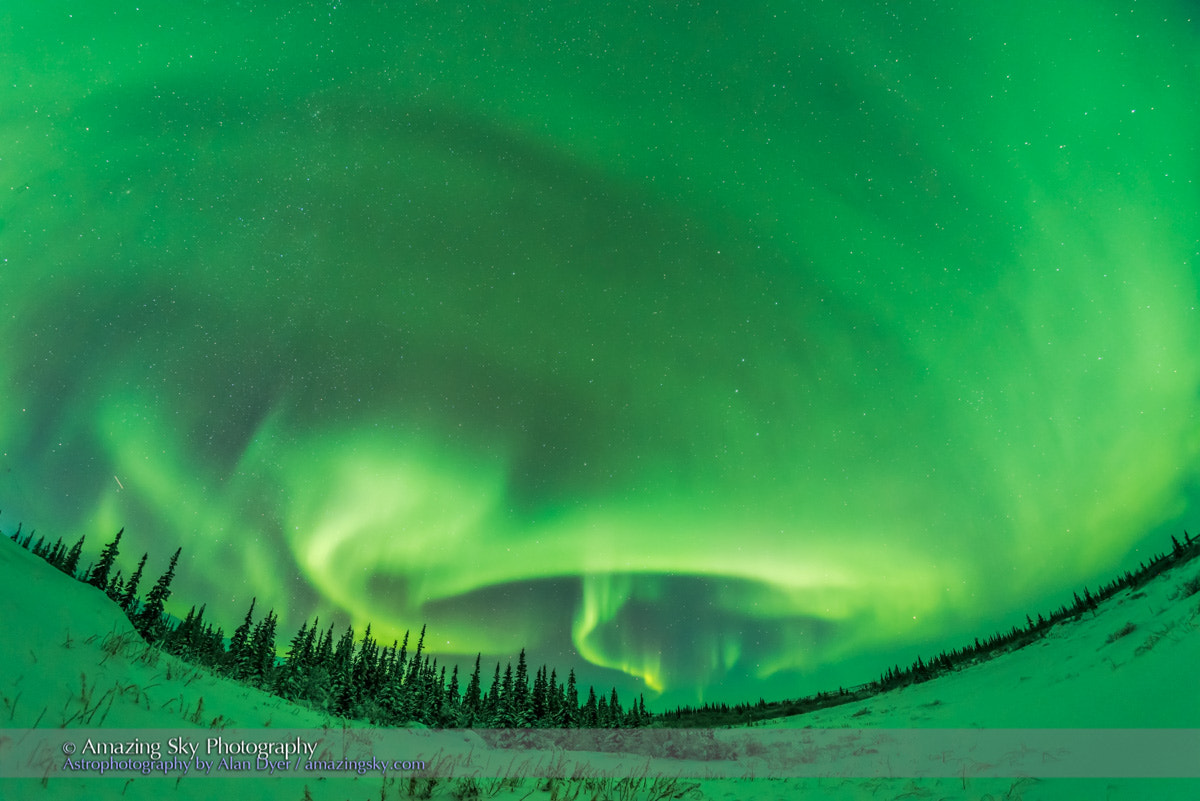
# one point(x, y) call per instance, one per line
point(345, 675)
point(924, 669)
point(358, 677)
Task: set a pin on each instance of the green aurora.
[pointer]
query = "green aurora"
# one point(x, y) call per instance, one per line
point(729, 346)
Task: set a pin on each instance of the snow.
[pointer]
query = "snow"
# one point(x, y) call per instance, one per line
point(74, 662)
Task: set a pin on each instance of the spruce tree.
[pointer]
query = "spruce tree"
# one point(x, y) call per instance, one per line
point(364, 681)
point(340, 685)
point(292, 676)
point(324, 652)
point(261, 652)
point(175, 640)
point(237, 661)
point(149, 620)
point(113, 590)
point(391, 694)
point(400, 663)
point(491, 703)
point(98, 578)
point(570, 708)
point(537, 700)
point(520, 701)
point(506, 713)
point(129, 596)
point(57, 553)
point(414, 671)
point(591, 711)
point(554, 700)
point(195, 645)
point(71, 563)
point(453, 702)
point(437, 706)
point(472, 698)
point(215, 646)
point(316, 687)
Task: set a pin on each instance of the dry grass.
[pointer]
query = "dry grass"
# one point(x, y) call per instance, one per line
point(1124, 631)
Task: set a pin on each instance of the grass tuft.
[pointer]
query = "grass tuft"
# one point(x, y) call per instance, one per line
point(1124, 631)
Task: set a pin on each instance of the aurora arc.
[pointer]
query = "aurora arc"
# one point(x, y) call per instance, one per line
point(714, 345)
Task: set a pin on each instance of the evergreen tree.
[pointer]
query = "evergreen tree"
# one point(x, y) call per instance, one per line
point(472, 700)
point(537, 701)
point(391, 694)
point(491, 704)
point(453, 702)
point(414, 671)
point(554, 700)
point(340, 690)
point(506, 714)
point(98, 578)
point(237, 661)
point(149, 620)
point(400, 663)
point(570, 709)
point(129, 596)
point(590, 717)
point(113, 590)
point(289, 679)
point(57, 553)
point(614, 709)
point(364, 679)
point(320, 672)
point(71, 563)
point(261, 651)
point(324, 650)
point(438, 709)
point(213, 646)
point(196, 644)
point(423, 700)
point(520, 700)
point(175, 640)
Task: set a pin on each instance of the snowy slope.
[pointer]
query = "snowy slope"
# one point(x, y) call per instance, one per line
point(1131, 664)
point(72, 660)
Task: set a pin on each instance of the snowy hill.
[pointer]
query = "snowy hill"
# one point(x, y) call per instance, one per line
point(1131, 664)
point(73, 661)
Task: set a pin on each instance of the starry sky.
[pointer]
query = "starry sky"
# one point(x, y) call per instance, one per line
point(718, 350)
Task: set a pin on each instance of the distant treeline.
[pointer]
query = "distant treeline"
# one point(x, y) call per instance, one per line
point(344, 675)
point(922, 669)
point(386, 685)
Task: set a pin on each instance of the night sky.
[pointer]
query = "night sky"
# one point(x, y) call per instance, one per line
point(718, 349)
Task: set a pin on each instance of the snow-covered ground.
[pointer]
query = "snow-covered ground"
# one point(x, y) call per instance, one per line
point(72, 661)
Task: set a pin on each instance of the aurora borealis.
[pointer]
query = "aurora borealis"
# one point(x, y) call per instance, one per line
point(720, 345)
